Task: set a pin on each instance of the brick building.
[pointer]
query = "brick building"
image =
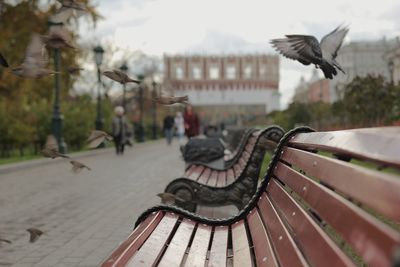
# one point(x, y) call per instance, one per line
point(225, 85)
point(315, 90)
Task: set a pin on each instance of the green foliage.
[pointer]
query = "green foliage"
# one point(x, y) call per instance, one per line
point(26, 105)
point(366, 102)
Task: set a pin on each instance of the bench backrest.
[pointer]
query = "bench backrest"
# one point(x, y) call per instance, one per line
point(333, 200)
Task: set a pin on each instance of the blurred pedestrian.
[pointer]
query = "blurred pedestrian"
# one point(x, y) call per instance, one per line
point(168, 128)
point(179, 126)
point(191, 122)
point(120, 130)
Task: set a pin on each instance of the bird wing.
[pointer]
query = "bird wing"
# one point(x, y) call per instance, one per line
point(112, 75)
point(331, 43)
point(3, 61)
point(306, 45)
point(284, 47)
point(93, 143)
point(62, 15)
point(36, 54)
point(51, 143)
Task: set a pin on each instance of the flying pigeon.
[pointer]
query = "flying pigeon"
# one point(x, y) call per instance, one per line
point(58, 37)
point(97, 137)
point(78, 166)
point(119, 76)
point(307, 50)
point(35, 60)
point(169, 199)
point(5, 240)
point(68, 9)
point(50, 149)
point(170, 100)
point(34, 234)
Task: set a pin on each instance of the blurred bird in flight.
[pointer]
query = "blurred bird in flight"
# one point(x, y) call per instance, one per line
point(169, 199)
point(77, 166)
point(119, 76)
point(171, 100)
point(307, 50)
point(97, 137)
point(5, 240)
point(58, 37)
point(50, 149)
point(34, 62)
point(68, 9)
point(34, 234)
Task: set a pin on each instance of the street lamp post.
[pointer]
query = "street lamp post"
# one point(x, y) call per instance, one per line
point(98, 55)
point(140, 130)
point(154, 126)
point(124, 68)
point(57, 117)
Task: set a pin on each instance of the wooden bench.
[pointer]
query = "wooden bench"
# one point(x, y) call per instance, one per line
point(312, 209)
point(234, 184)
point(230, 159)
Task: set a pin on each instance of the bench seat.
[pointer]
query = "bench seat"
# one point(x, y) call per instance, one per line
point(327, 199)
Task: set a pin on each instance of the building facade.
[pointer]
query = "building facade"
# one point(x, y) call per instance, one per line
point(315, 90)
point(225, 85)
point(393, 59)
point(361, 59)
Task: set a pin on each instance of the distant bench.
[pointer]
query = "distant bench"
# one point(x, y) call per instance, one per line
point(234, 184)
point(312, 209)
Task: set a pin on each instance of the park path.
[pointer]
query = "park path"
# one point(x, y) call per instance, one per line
point(85, 216)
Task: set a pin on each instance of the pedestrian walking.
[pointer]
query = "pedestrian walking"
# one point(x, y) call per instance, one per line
point(180, 127)
point(191, 122)
point(168, 128)
point(120, 130)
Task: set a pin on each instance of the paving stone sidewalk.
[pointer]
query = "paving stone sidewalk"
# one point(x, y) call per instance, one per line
point(84, 216)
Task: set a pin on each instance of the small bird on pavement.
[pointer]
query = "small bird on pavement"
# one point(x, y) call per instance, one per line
point(5, 240)
point(77, 166)
point(3, 61)
point(35, 60)
point(171, 100)
point(34, 234)
point(119, 76)
point(307, 50)
point(169, 199)
point(97, 137)
point(50, 149)
point(58, 37)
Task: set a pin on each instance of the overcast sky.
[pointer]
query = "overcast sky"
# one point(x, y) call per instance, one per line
point(230, 26)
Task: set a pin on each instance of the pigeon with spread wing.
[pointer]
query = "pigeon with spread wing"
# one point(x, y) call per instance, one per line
point(50, 149)
point(119, 76)
point(307, 50)
point(97, 137)
point(77, 166)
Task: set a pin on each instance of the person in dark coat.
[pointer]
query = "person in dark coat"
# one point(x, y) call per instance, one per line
point(192, 124)
point(120, 130)
point(169, 123)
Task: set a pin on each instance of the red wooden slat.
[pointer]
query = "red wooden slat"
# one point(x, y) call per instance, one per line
point(198, 250)
point(263, 251)
point(176, 248)
point(240, 246)
point(315, 243)
point(346, 177)
point(221, 180)
point(123, 253)
point(372, 239)
point(196, 173)
point(242, 163)
point(151, 250)
point(212, 181)
point(230, 176)
point(219, 247)
point(204, 176)
point(377, 144)
point(237, 170)
point(190, 170)
point(249, 148)
point(286, 249)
